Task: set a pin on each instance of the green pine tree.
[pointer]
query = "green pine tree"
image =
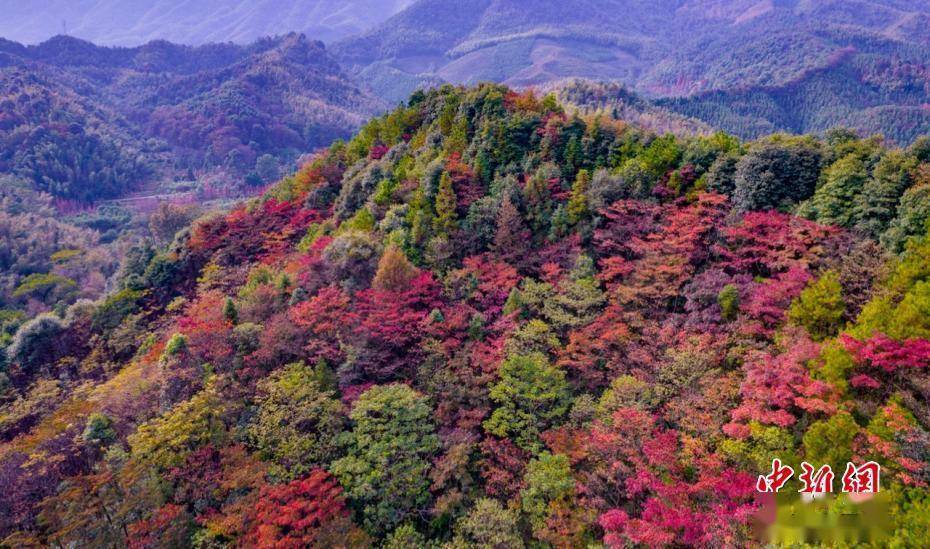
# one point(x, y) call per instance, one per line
point(446, 202)
point(578, 203)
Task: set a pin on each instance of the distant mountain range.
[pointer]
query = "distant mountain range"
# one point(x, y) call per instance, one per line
point(747, 66)
point(750, 67)
point(85, 122)
point(134, 22)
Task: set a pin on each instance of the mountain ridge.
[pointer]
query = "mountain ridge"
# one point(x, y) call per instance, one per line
point(675, 49)
point(189, 22)
point(281, 96)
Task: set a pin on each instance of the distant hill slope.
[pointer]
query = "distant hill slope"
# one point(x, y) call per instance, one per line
point(865, 91)
point(618, 102)
point(873, 52)
point(164, 109)
point(135, 22)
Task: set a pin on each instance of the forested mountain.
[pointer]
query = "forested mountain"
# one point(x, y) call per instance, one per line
point(131, 23)
point(84, 122)
point(618, 101)
point(748, 66)
point(102, 147)
point(487, 322)
point(872, 89)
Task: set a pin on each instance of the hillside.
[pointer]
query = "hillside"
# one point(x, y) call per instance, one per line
point(617, 101)
point(85, 122)
point(735, 57)
point(871, 95)
point(189, 22)
point(486, 322)
point(101, 148)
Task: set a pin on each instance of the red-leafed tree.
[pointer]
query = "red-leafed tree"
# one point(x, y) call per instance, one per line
point(595, 353)
point(169, 526)
point(281, 342)
point(206, 331)
point(777, 390)
point(296, 514)
point(211, 479)
point(385, 337)
point(325, 316)
point(652, 492)
point(663, 259)
point(502, 466)
point(466, 185)
point(767, 304)
point(484, 282)
point(767, 243)
point(265, 231)
point(626, 225)
point(886, 364)
point(888, 355)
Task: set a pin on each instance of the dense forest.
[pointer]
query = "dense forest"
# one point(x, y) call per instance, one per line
point(869, 92)
point(485, 321)
point(85, 123)
point(101, 148)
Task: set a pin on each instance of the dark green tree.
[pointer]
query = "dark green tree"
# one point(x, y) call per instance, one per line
point(386, 468)
point(877, 204)
point(530, 397)
point(776, 175)
point(834, 203)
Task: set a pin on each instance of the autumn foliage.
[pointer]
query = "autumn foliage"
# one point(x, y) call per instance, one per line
point(481, 322)
point(293, 515)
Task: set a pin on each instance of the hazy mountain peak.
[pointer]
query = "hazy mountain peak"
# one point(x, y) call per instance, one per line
point(868, 55)
point(189, 22)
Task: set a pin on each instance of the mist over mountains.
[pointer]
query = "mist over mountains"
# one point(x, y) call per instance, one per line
point(134, 22)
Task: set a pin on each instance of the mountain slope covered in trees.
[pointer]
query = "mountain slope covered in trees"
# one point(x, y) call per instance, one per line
point(752, 66)
point(616, 100)
point(485, 322)
point(103, 147)
point(84, 122)
point(875, 92)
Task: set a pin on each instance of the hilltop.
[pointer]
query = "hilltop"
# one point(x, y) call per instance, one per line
point(486, 321)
